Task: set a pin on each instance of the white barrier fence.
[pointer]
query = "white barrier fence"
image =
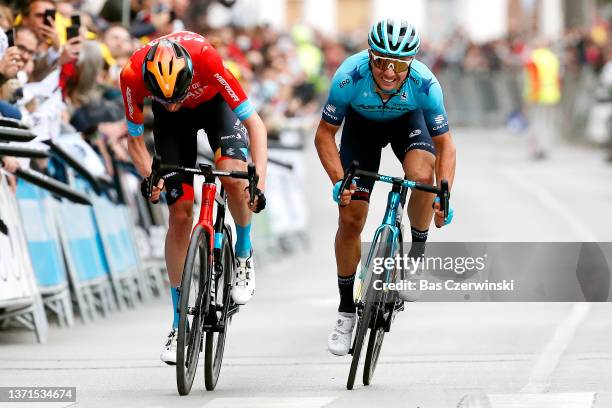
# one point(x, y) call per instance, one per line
point(58, 258)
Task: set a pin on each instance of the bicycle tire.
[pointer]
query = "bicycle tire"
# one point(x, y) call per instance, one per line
point(215, 341)
point(377, 331)
point(363, 322)
point(189, 341)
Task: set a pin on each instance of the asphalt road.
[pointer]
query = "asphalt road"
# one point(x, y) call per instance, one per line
point(438, 355)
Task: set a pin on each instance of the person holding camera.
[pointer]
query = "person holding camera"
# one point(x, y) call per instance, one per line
point(39, 16)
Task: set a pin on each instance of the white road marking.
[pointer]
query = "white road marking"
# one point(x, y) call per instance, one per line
point(264, 402)
point(551, 202)
point(539, 379)
point(561, 400)
point(547, 362)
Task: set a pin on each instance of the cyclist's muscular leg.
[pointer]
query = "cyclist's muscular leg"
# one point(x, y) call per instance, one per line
point(177, 239)
point(237, 197)
point(244, 282)
point(348, 238)
point(419, 166)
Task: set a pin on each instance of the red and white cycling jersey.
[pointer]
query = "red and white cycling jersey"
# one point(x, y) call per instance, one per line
point(210, 77)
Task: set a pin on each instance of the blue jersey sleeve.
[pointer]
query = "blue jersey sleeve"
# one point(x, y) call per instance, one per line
point(341, 89)
point(338, 100)
point(434, 110)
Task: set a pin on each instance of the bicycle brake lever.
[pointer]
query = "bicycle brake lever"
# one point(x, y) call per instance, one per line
point(253, 180)
point(348, 178)
point(444, 198)
point(153, 178)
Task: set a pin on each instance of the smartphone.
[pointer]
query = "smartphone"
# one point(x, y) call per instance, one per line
point(75, 20)
point(72, 31)
point(49, 14)
point(10, 37)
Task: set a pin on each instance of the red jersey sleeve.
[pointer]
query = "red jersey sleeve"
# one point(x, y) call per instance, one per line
point(217, 75)
point(132, 88)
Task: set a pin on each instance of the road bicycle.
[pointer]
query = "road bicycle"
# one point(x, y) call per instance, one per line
point(206, 306)
point(376, 305)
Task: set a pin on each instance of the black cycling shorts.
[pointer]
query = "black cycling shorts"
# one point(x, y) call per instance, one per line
point(363, 140)
point(175, 135)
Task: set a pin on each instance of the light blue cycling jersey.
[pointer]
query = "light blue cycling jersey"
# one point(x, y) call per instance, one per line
point(353, 86)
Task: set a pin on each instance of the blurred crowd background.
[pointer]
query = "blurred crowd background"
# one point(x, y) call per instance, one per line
point(540, 68)
point(62, 86)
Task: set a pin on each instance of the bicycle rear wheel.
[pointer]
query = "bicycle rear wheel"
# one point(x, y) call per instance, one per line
point(369, 301)
point(219, 313)
point(384, 310)
point(189, 341)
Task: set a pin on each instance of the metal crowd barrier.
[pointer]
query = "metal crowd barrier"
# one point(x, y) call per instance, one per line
point(38, 219)
point(481, 99)
point(491, 98)
point(20, 299)
point(68, 247)
point(282, 228)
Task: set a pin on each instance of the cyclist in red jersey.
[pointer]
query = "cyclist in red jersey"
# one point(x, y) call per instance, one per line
point(191, 89)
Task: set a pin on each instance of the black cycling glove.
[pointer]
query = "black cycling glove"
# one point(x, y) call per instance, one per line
point(144, 187)
point(261, 200)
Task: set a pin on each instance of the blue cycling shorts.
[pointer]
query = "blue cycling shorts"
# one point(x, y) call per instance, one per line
point(363, 140)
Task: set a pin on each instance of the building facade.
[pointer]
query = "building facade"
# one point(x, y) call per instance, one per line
point(482, 20)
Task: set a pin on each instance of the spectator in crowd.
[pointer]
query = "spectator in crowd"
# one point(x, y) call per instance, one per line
point(119, 42)
point(6, 18)
point(48, 55)
point(542, 94)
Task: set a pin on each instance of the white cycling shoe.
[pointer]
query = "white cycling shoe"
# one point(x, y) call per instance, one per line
point(168, 353)
point(410, 291)
point(339, 340)
point(244, 282)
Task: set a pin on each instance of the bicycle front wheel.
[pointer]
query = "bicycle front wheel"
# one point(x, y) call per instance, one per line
point(383, 311)
point(369, 301)
point(219, 313)
point(189, 341)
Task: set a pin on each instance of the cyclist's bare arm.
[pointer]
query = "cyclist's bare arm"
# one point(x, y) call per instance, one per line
point(258, 138)
point(328, 151)
point(142, 160)
point(140, 155)
point(446, 157)
point(446, 161)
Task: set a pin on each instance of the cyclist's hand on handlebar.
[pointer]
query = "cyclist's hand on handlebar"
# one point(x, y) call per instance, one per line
point(345, 198)
point(157, 190)
point(153, 195)
point(259, 203)
point(439, 215)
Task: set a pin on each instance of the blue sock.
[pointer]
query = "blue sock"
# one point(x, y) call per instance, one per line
point(174, 292)
point(243, 241)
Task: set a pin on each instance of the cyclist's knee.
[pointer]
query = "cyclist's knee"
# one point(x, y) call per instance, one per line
point(233, 186)
point(419, 166)
point(181, 214)
point(423, 174)
point(352, 221)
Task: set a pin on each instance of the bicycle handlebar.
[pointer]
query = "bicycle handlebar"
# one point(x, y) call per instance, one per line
point(159, 170)
point(441, 192)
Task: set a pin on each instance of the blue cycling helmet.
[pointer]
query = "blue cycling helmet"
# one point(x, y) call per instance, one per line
point(394, 37)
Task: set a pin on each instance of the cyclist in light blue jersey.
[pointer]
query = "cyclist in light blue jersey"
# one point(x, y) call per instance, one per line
point(383, 95)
